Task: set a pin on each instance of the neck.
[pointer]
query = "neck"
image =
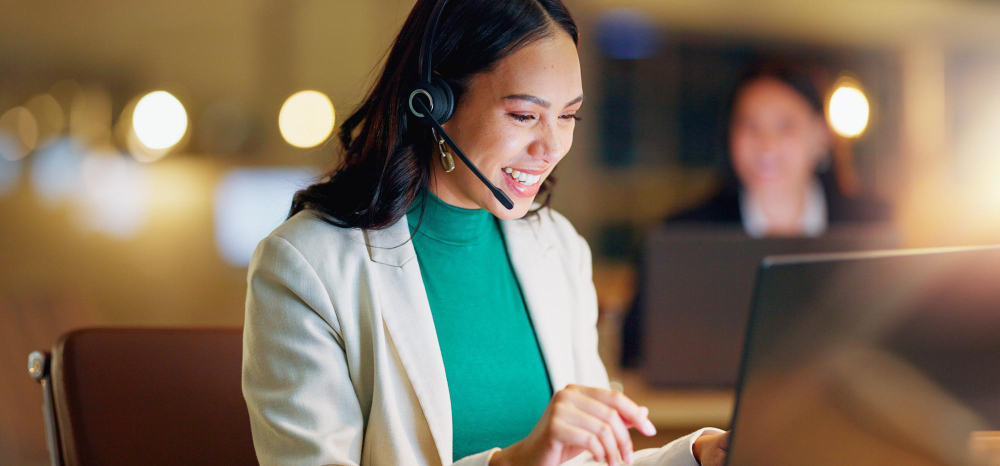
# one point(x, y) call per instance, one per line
point(431, 216)
point(783, 209)
point(448, 193)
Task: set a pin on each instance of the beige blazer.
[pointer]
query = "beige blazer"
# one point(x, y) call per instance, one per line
point(341, 363)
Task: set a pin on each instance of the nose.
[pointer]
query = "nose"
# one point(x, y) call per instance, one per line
point(547, 144)
point(768, 142)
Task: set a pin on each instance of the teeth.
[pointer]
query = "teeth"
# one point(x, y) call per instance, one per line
point(526, 179)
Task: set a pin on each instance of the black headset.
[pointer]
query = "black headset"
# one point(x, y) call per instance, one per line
point(433, 102)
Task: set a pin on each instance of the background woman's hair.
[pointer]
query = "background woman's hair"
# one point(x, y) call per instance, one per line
point(387, 153)
point(798, 78)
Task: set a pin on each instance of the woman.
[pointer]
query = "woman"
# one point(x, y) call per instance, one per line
point(778, 182)
point(779, 148)
point(402, 314)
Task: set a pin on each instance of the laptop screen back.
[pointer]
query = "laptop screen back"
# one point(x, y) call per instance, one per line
point(871, 360)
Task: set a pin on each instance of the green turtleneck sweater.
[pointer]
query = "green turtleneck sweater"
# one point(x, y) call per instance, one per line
point(497, 379)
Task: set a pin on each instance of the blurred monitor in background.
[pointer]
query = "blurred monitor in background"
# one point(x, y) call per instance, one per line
point(779, 182)
point(699, 285)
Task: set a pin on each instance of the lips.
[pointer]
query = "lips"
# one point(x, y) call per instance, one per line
point(523, 176)
point(527, 188)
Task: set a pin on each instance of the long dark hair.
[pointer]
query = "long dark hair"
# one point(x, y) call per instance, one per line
point(386, 152)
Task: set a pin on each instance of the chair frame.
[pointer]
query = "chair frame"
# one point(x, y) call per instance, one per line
point(39, 363)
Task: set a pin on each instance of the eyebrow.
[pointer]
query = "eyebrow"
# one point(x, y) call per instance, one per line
point(540, 101)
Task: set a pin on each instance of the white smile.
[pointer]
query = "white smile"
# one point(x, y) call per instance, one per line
point(525, 179)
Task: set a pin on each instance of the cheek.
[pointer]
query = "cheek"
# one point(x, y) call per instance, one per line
point(567, 141)
point(741, 148)
point(492, 143)
point(797, 151)
point(507, 142)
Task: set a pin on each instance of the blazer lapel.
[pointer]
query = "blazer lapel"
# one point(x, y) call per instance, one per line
point(545, 289)
point(407, 316)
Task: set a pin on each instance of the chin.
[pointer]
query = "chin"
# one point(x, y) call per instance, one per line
point(521, 207)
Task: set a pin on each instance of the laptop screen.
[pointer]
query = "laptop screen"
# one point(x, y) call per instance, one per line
point(871, 359)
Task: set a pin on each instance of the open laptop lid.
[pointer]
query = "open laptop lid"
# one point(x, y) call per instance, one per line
point(698, 282)
point(870, 359)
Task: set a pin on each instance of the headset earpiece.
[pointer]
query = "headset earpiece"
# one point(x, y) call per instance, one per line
point(437, 96)
point(433, 95)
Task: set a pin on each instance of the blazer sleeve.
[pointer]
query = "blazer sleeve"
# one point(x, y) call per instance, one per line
point(303, 407)
point(593, 373)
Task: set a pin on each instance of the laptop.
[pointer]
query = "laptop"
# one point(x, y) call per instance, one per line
point(698, 282)
point(885, 358)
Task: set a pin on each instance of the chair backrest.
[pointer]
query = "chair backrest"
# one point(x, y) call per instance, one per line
point(150, 396)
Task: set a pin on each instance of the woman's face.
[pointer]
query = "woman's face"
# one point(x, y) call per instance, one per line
point(514, 121)
point(776, 138)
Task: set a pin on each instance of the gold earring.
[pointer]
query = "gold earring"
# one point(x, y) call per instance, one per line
point(447, 161)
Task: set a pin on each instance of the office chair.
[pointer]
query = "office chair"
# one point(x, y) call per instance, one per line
point(145, 396)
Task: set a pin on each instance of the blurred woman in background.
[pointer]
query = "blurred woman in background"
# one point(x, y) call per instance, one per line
point(778, 181)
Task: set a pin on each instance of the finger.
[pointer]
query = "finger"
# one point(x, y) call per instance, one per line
point(610, 416)
point(604, 432)
point(630, 412)
point(716, 451)
point(572, 435)
point(718, 456)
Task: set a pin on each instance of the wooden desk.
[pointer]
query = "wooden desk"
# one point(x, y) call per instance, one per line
point(680, 408)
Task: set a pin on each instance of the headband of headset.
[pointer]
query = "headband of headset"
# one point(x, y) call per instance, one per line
point(433, 90)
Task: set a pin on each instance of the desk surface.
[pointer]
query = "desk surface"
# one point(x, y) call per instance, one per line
point(678, 409)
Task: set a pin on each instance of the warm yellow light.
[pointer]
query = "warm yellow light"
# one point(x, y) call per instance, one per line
point(848, 111)
point(21, 124)
point(49, 115)
point(159, 120)
point(306, 119)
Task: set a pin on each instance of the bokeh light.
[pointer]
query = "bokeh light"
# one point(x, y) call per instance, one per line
point(90, 115)
point(140, 151)
point(22, 129)
point(848, 110)
point(159, 120)
point(249, 203)
point(49, 116)
point(114, 198)
point(10, 171)
point(56, 170)
point(626, 34)
point(306, 119)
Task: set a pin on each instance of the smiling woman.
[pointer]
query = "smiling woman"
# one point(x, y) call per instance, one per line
point(387, 152)
point(403, 314)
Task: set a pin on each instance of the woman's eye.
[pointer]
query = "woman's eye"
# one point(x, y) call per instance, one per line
point(572, 116)
point(522, 118)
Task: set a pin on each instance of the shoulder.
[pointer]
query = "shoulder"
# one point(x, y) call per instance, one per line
point(724, 207)
point(306, 238)
point(862, 209)
point(308, 231)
